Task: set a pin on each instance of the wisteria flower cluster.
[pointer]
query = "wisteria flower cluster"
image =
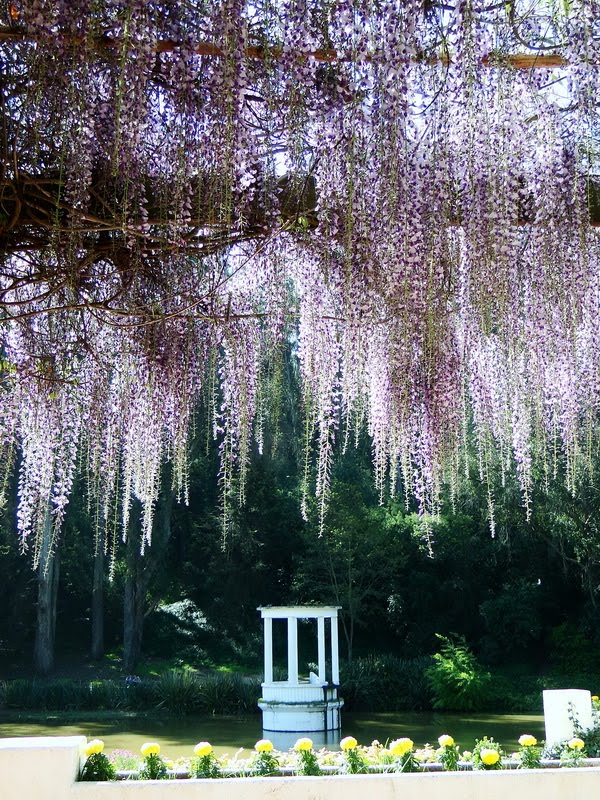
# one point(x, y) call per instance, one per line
point(403, 196)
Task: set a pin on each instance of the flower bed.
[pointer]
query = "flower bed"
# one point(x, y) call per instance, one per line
point(48, 769)
point(398, 756)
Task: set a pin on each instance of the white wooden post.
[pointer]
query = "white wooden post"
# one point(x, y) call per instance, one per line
point(268, 650)
point(292, 650)
point(335, 657)
point(321, 637)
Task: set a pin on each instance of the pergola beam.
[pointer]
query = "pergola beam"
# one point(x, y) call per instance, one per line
point(523, 61)
point(35, 211)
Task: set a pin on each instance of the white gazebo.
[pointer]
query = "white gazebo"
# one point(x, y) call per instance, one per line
point(301, 704)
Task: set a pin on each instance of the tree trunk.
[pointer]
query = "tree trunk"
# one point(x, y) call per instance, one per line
point(350, 637)
point(139, 572)
point(133, 623)
point(45, 628)
point(97, 650)
point(133, 612)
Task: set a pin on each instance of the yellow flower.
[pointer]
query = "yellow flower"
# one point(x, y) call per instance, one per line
point(263, 746)
point(595, 698)
point(203, 749)
point(169, 763)
point(400, 747)
point(489, 757)
point(304, 744)
point(576, 743)
point(94, 747)
point(150, 749)
point(527, 740)
point(446, 741)
point(348, 743)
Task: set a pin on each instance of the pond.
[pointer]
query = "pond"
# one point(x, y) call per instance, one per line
point(177, 735)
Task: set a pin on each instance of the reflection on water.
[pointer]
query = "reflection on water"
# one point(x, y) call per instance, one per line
point(285, 741)
point(178, 735)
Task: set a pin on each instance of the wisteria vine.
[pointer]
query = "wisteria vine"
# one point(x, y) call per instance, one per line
point(405, 194)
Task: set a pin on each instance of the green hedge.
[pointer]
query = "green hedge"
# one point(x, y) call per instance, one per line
point(386, 683)
point(175, 692)
point(373, 683)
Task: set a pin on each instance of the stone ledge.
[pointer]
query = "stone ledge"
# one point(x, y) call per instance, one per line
point(46, 769)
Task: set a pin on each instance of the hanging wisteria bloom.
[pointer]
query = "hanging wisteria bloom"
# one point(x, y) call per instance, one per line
point(405, 195)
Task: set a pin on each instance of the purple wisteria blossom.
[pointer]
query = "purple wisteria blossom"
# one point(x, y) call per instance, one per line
point(403, 195)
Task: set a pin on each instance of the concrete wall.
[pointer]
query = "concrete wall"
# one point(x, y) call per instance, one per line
point(46, 769)
point(40, 768)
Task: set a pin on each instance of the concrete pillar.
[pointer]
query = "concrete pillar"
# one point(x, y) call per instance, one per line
point(321, 638)
point(335, 655)
point(41, 768)
point(268, 650)
point(560, 705)
point(292, 650)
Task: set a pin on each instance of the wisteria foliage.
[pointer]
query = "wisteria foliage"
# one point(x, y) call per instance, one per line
point(190, 189)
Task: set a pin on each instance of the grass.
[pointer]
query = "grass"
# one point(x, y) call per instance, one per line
point(75, 667)
point(157, 667)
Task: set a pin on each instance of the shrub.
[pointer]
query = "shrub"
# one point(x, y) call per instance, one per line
point(513, 621)
point(229, 694)
point(72, 695)
point(386, 683)
point(141, 696)
point(14, 695)
point(573, 649)
point(591, 736)
point(179, 692)
point(176, 691)
point(106, 695)
point(45, 695)
point(513, 693)
point(457, 680)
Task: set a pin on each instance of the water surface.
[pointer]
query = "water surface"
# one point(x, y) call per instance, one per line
point(178, 735)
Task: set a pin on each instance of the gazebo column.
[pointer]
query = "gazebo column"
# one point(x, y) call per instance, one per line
point(268, 650)
point(292, 650)
point(335, 658)
point(321, 640)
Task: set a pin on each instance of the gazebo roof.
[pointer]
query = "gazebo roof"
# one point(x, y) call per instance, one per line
point(301, 612)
